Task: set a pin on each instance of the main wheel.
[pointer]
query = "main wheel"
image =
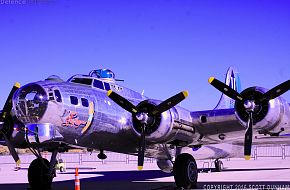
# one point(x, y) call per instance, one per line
point(219, 166)
point(185, 171)
point(38, 174)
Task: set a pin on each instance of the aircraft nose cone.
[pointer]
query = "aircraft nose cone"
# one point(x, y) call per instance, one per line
point(30, 103)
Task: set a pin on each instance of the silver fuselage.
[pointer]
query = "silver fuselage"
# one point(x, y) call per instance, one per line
point(83, 116)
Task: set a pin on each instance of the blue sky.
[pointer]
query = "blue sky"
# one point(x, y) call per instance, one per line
point(161, 46)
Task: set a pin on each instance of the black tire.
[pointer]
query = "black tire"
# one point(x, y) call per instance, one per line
point(185, 171)
point(38, 175)
point(219, 166)
point(61, 169)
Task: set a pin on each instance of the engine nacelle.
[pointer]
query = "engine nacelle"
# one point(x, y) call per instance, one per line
point(159, 128)
point(267, 115)
point(12, 129)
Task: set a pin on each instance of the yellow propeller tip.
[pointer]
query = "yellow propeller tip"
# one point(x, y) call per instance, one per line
point(140, 167)
point(247, 157)
point(109, 92)
point(17, 84)
point(185, 93)
point(210, 79)
point(18, 162)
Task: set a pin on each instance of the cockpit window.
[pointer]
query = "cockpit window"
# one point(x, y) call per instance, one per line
point(74, 100)
point(86, 81)
point(107, 86)
point(57, 95)
point(98, 84)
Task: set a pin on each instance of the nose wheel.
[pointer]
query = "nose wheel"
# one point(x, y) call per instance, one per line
point(41, 172)
point(38, 174)
point(185, 171)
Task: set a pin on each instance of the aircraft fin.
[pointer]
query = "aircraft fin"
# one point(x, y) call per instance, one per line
point(233, 80)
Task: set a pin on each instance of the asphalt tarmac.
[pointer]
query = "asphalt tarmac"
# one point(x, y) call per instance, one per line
point(273, 173)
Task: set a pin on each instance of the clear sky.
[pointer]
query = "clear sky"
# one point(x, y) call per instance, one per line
point(161, 46)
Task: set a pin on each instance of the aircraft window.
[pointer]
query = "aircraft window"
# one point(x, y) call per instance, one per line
point(74, 100)
point(98, 84)
point(50, 96)
point(57, 95)
point(86, 81)
point(85, 102)
point(30, 96)
point(107, 86)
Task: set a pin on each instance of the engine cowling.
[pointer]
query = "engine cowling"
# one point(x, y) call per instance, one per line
point(267, 115)
point(12, 129)
point(159, 128)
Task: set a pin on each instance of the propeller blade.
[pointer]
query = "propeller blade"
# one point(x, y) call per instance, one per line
point(8, 104)
point(121, 101)
point(276, 91)
point(169, 103)
point(222, 87)
point(141, 149)
point(248, 137)
point(5, 112)
point(11, 149)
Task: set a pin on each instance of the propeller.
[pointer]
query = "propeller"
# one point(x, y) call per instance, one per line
point(4, 119)
point(276, 91)
point(145, 118)
point(250, 105)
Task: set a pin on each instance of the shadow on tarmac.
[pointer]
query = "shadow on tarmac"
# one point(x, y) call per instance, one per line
point(112, 180)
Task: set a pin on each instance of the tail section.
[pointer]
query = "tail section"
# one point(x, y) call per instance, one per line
point(232, 80)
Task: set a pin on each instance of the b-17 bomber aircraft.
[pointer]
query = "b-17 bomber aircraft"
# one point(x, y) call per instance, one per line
point(96, 112)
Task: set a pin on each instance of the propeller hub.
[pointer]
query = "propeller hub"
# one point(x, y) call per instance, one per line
point(142, 117)
point(252, 104)
point(249, 105)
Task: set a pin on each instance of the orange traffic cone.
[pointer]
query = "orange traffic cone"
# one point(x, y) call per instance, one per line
point(77, 180)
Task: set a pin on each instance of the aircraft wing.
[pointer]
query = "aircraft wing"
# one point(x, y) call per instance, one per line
point(221, 135)
point(217, 126)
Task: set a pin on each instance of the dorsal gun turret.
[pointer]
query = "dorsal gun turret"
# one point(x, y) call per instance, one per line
point(105, 74)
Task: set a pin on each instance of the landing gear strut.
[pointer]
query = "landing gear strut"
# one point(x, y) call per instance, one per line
point(185, 171)
point(41, 172)
point(219, 166)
